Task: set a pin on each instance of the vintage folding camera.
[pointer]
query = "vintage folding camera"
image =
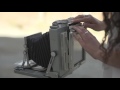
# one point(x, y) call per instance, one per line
point(54, 54)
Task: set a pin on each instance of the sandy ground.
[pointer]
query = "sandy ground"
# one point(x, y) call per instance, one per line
point(11, 52)
point(11, 45)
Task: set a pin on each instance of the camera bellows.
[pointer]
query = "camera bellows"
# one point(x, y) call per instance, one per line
point(38, 46)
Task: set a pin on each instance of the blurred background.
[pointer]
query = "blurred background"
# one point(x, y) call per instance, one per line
point(15, 25)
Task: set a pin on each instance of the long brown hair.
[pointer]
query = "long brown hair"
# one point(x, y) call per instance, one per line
point(112, 20)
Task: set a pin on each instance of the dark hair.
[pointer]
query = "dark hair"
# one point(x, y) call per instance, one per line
point(112, 20)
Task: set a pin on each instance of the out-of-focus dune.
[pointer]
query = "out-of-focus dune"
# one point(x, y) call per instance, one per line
point(19, 24)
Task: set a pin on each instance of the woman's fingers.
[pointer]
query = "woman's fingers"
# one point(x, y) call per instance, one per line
point(86, 19)
point(81, 30)
point(84, 34)
point(90, 22)
point(88, 25)
point(79, 16)
point(83, 18)
point(87, 40)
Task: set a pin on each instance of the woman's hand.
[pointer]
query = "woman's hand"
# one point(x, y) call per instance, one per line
point(87, 41)
point(90, 22)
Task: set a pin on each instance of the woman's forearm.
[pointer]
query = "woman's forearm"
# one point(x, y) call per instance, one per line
point(100, 55)
point(113, 60)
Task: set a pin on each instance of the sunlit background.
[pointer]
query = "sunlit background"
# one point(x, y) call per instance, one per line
point(16, 25)
point(20, 24)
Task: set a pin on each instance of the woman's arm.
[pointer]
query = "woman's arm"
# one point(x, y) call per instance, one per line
point(114, 59)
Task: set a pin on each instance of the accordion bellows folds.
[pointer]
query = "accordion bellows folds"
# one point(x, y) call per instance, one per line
point(38, 46)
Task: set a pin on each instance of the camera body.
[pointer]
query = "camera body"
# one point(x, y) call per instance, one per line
point(66, 54)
